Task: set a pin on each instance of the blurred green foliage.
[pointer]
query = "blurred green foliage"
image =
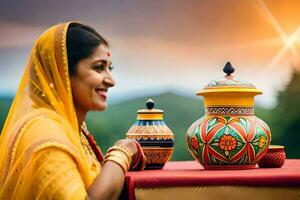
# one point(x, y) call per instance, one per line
point(285, 117)
point(5, 103)
point(180, 112)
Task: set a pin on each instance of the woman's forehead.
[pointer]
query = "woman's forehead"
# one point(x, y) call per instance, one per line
point(102, 52)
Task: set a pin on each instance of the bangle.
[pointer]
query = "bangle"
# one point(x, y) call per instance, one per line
point(123, 149)
point(120, 155)
point(123, 164)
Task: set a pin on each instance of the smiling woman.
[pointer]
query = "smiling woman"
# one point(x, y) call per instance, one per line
point(46, 150)
point(90, 69)
point(91, 81)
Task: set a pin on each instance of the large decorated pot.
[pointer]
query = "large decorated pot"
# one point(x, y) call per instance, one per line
point(229, 135)
point(155, 137)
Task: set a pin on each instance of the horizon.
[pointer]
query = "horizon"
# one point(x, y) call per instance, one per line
point(123, 99)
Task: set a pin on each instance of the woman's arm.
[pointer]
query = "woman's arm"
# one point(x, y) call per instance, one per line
point(109, 183)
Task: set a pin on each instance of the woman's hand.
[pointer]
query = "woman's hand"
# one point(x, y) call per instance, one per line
point(109, 183)
point(103, 189)
point(138, 158)
point(130, 144)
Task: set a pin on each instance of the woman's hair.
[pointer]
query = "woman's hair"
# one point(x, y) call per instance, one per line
point(82, 40)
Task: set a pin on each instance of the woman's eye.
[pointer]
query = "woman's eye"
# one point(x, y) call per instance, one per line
point(111, 68)
point(100, 67)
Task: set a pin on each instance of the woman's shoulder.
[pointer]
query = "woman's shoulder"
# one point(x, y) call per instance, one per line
point(45, 128)
point(44, 122)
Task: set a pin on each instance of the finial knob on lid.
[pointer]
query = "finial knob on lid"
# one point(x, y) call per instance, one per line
point(150, 113)
point(150, 104)
point(228, 69)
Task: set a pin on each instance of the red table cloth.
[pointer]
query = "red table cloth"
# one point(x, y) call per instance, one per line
point(191, 173)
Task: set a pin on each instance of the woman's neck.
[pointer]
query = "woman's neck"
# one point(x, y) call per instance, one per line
point(81, 114)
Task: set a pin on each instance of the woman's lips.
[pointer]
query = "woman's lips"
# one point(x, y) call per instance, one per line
point(102, 93)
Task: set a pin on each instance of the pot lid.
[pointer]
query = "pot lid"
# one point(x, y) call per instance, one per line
point(229, 83)
point(150, 113)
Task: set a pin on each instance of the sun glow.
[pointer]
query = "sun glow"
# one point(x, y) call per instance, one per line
point(286, 47)
point(289, 41)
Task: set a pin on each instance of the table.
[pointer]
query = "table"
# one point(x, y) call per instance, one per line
point(188, 180)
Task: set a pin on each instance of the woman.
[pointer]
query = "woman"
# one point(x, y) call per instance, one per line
point(46, 149)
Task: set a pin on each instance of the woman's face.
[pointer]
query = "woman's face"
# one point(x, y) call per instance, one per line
point(92, 80)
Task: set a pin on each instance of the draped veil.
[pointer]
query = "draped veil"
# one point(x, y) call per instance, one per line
point(42, 116)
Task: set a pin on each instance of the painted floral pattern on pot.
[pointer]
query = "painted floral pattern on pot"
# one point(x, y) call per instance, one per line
point(230, 140)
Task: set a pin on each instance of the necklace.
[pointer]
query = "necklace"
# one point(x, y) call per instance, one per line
point(87, 148)
point(90, 153)
point(91, 143)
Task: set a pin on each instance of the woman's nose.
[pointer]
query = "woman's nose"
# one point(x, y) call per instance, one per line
point(109, 81)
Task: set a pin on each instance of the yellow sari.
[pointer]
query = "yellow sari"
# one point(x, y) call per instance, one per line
point(41, 151)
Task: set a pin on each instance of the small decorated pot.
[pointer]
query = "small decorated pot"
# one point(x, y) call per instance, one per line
point(229, 135)
point(274, 157)
point(155, 137)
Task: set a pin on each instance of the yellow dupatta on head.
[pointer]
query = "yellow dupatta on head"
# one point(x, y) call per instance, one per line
point(42, 116)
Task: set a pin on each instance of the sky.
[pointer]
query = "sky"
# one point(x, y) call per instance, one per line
point(166, 45)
